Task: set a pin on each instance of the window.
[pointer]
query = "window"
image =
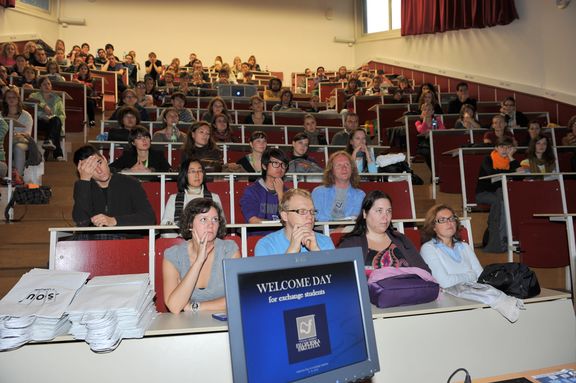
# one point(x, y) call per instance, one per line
point(380, 16)
point(45, 9)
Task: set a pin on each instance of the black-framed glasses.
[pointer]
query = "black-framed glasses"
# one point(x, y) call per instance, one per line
point(446, 219)
point(312, 212)
point(278, 164)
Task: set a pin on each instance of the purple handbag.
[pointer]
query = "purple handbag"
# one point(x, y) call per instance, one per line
point(402, 290)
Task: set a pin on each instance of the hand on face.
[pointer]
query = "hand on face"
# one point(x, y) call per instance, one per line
point(198, 247)
point(87, 168)
point(302, 236)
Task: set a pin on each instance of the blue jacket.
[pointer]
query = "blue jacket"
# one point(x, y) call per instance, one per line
point(323, 197)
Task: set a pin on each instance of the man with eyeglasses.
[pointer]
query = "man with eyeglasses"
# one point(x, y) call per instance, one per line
point(514, 118)
point(260, 200)
point(298, 215)
point(103, 198)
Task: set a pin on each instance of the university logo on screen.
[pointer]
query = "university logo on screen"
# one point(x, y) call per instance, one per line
point(306, 333)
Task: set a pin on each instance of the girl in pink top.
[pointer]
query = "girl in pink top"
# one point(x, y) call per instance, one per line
point(427, 120)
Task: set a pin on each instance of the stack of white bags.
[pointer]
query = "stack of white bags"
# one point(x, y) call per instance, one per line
point(111, 308)
point(34, 308)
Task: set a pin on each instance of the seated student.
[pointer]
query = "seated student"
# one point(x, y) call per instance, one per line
point(200, 144)
point(339, 197)
point(139, 157)
point(539, 156)
point(169, 131)
point(154, 67)
point(427, 88)
point(404, 85)
point(429, 98)
point(51, 116)
point(178, 102)
point(128, 119)
point(13, 108)
point(353, 88)
point(570, 138)
point(53, 72)
point(144, 100)
point(300, 162)
point(192, 271)
point(112, 65)
point(376, 88)
point(252, 162)
point(320, 77)
point(272, 92)
point(351, 122)
point(451, 260)
point(381, 244)
point(253, 65)
point(499, 130)
point(216, 106)
point(362, 155)
point(130, 98)
point(191, 185)
point(297, 214)
point(28, 79)
point(286, 103)
point(467, 118)
point(221, 129)
point(103, 198)
point(184, 86)
point(501, 160)
point(534, 130)
point(151, 89)
point(260, 200)
point(427, 122)
point(315, 136)
point(257, 117)
point(462, 98)
point(84, 76)
point(17, 70)
point(514, 118)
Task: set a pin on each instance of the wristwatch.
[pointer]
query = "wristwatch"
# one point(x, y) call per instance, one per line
point(195, 306)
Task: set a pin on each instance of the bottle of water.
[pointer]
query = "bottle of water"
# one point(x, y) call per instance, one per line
point(174, 137)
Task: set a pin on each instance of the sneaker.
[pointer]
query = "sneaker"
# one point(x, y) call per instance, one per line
point(92, 124)
point(48, 144)
point(60, 159)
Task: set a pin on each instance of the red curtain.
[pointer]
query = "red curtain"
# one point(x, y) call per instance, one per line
point(8, 3)
point(432, 16)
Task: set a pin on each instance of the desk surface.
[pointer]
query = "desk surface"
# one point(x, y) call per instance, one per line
point(526, 374)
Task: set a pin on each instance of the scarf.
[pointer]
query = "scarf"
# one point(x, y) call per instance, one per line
point(498, 162)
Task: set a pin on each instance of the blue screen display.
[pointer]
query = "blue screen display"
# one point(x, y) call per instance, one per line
point(301, 322)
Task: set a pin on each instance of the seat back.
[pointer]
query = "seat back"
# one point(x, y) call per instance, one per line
point(399, 192)
point(161, 245)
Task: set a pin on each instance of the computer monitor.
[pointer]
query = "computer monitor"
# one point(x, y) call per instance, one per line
point(300, 318)
point(229, 90)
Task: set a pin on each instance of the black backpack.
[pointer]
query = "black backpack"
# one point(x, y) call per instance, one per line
point(515, 279)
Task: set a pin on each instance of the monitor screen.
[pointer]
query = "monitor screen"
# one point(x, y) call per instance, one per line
point(300, 318)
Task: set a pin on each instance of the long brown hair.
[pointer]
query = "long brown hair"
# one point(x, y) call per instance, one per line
point(328, 178)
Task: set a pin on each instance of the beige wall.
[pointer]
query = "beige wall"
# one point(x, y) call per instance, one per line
point(536, 51)
point(15, 25)
point(283, 35)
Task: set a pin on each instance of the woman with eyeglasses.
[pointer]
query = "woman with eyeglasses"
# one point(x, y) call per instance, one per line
point(381, 244)
point(298, 236)
point(139, 157)
point(192, 270)
point(452, 261)
point(260, 200)
point(191, 185)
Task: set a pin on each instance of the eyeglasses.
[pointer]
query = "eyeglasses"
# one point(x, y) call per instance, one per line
point(446, 219)
point(205, 220)
point(312, 212)
point(278, 164)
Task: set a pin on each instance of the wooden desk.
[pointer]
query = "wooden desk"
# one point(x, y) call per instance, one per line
point(526, 374)
point(423, 343)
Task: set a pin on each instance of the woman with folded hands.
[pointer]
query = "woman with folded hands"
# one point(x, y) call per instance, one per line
point(451, 260)
point(382, 245)
point(192, 270)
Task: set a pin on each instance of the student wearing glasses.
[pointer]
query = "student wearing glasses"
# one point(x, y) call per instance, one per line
point(260, 200)
point(297, 213)
point(382, 245)
point(192, 270)
point(452, 261)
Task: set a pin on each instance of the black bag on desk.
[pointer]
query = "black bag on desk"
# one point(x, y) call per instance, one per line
point(22, 195)
point(515, 279)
